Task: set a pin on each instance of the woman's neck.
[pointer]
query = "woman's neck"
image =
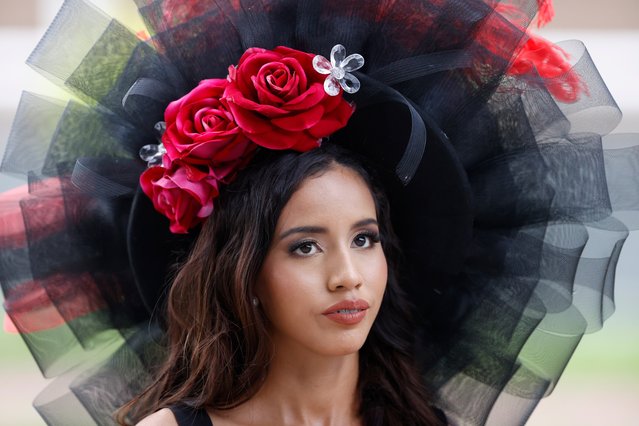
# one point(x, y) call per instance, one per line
point(305, 390)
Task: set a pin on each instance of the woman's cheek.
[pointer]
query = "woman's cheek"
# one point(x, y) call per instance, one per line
point(376, 272)
point(286, 282)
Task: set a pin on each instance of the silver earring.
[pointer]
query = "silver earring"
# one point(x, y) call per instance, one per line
point(255, 301)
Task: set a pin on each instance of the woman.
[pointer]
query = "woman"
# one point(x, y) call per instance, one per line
point(291, 239)
point(488, 141)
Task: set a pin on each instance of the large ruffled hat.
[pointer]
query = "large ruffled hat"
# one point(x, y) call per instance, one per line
point(511, 199)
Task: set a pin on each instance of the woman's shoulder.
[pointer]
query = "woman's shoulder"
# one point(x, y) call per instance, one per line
point(178, 415)
point(163, 417)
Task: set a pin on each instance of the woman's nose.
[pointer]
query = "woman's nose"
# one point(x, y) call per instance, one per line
point(343, 272)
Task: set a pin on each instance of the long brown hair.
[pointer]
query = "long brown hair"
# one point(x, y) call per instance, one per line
point(218, 345)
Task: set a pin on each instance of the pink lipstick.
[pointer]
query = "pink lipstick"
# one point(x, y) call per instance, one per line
point(347, 312)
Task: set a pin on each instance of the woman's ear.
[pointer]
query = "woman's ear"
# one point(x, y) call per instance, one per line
point(257, 294)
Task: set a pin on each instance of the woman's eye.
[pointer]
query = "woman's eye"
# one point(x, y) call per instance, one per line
point(365, 240)
point(307, 248)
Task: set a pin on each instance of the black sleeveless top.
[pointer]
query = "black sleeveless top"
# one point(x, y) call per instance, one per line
point(188, 416)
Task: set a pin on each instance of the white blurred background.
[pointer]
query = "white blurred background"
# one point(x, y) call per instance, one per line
point(600, 385)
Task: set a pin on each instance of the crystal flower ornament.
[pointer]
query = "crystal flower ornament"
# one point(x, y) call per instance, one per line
point(153, 153)
point(339, 70)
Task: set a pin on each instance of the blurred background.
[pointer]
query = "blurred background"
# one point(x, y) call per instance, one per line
point(600, 385)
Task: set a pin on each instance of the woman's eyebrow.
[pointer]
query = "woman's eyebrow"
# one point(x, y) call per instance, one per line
point(303, 230)
point(364, 222)
point(321, 229)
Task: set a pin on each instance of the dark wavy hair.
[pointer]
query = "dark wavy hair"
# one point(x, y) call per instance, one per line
point(218, 345)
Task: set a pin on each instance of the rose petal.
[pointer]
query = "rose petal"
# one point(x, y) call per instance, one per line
point(313, 96)
point(234, 96)
point(292, 88)
point(165, 183)
point(299, 70)
point(149, 177)
point(206, 210)
point(182, 218)
point(215, 136)
point(302, 121)
point(249, 121)
point(332, 102)
point(169, 140)
point(211, 88)
point(171, 111)
point(304, 59)
point(306, 143)
point(178, 228)
point(240, 148)
point(248, 67)
point(276, 71)
point(265, 96)
point(280, 139)
point(275, 139)
point(330, 123)
point(206, 120)
point(214, 152)
point(251, 52)
point(203, 191)
point(195, 173)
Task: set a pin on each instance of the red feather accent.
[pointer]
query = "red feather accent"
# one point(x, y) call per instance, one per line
point(546, 12)
point(552, 64)
point(540, 56)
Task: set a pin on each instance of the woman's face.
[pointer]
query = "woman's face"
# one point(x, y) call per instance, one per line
point(324, 276)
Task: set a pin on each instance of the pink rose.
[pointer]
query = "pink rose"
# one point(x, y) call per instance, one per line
point(201, 130)
point(183, 193)
point(278, 100)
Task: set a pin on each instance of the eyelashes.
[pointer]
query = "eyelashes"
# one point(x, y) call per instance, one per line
point(304, 248)
point(309, 247)
point(367, 237)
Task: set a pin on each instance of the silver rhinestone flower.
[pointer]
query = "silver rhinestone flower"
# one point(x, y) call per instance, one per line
point(153, 153)
point(338, 70)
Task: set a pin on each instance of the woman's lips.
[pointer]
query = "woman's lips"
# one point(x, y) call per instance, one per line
point(348, 312)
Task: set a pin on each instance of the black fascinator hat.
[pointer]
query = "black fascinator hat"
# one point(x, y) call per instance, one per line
point(493, 155)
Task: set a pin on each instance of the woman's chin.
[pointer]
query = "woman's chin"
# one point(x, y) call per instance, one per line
point(346, 343)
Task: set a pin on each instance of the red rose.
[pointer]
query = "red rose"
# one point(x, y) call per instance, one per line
point(200, 129)
point(183, 193)
point(278, 100)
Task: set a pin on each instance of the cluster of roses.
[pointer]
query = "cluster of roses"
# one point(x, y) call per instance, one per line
point(273, 98)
